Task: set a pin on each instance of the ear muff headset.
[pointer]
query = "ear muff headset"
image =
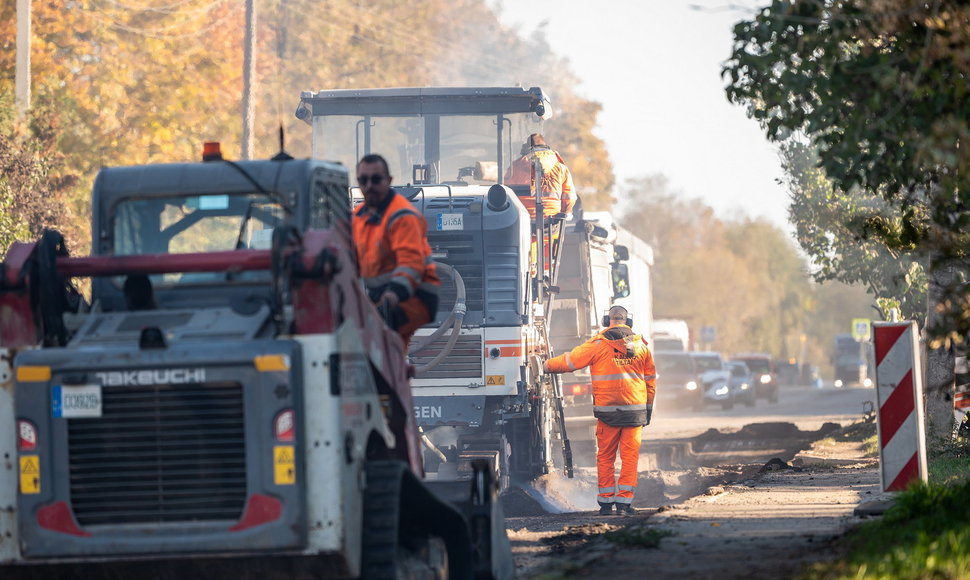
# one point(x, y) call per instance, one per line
point(629, 320)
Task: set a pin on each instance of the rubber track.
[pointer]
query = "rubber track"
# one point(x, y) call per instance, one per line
point(381, 520)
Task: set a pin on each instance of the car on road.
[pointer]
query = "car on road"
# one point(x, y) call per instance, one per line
point(714, 378)
point(678, 385)
point(742, 383)
point(763, 367)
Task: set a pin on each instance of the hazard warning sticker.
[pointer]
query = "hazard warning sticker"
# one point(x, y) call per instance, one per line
point(284, 465)
point(29, 474)
point(494, 379)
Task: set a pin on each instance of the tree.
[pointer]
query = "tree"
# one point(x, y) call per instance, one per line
point(33, 186)
point(880, 89)
point(741, 276)
point(149, 81)
point(834, 229)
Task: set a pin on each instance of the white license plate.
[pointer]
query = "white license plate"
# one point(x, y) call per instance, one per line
point(71, 402)
point(451, 221)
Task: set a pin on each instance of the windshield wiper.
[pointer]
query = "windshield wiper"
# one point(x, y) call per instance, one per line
point(242, 227)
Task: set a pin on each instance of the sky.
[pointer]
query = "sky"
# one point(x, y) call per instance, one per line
point(655, 67)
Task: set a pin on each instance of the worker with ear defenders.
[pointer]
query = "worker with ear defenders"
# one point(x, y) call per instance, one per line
point(624, 384)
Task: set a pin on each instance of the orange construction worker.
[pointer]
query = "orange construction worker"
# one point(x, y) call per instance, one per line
point(624, 384)
point(393, 251)
point(557, 181)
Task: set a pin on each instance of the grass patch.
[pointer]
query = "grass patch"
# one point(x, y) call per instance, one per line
point(951, 462)
point(925, 534)
point(641, 537)
point(862, 432)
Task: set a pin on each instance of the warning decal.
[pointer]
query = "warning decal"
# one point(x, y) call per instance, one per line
point(29, 474)
point(284, 465)
point(495, 379)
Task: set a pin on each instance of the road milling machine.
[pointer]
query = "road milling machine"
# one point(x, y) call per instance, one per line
point(228, 403)
point(478, 392)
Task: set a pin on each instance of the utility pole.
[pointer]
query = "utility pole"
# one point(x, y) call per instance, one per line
point(22, 74)
point(249, 81)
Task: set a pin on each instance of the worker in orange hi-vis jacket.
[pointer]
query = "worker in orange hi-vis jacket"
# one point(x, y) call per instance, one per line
point(624, 384)
point(393, 251)
point(557, 181)
point(556, 188)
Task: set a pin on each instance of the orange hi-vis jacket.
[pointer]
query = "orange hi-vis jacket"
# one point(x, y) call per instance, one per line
point(622, 371)
point(393, 250)
point(557, 182)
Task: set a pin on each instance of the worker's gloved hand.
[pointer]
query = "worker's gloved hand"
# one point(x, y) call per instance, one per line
point(649, 415)
point(389, 300)
point(537, 366)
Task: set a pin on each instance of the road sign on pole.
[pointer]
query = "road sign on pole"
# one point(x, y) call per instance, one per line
point(899, 390)
point(708, 334)
point(861, 329)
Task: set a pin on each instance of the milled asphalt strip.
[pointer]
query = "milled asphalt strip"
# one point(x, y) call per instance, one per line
point(774, 526)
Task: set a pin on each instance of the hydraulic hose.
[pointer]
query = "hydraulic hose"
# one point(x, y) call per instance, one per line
point(454, 321)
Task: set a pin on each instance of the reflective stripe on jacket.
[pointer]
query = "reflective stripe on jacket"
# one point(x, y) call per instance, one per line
point(392, 249)
point(622, 371)
point(557, 182)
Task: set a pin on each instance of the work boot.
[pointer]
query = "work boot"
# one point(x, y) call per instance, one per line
point(625, 509)
point(606, 509)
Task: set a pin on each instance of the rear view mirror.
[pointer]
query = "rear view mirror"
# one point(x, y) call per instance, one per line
point(621, 281)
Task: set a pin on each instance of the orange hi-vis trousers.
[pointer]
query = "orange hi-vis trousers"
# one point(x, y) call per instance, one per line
point(608, 440)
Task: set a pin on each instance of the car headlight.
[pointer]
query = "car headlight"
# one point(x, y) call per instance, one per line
point(744, 386)
point(765, 379)
point(691, 386)
point(838, 382)
point(722, 390)
point(867, 382)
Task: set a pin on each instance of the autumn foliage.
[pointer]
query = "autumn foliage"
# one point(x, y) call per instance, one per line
point(138, 81)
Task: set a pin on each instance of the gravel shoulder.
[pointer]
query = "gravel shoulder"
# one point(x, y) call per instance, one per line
point(770, 521)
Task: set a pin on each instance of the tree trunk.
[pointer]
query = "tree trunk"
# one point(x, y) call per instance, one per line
point(938, 395)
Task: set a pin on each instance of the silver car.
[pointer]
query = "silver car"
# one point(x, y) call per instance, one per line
point(742, 383)
point(714, 378)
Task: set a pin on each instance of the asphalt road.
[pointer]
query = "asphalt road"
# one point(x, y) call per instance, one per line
point(806, 407)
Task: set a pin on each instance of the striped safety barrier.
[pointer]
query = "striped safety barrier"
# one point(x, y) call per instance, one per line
point(899, 390)
point(961, 398)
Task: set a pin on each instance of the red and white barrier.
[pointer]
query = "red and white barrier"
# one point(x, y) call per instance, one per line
point(899, 390)
point(961, 398)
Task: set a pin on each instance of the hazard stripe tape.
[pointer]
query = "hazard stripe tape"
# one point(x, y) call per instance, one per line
point(898, 449)
point(897, 408)
point(888, 339)
point(908, 473)
point(897, 362)
point(961, 401)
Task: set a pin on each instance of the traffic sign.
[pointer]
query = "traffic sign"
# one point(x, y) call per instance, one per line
point(708, 334)
point(861, 329)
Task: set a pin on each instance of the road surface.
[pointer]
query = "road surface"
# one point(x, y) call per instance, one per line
point(560, 519)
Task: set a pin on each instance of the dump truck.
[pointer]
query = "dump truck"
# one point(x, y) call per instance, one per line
point(226, 402)
point(594, 278)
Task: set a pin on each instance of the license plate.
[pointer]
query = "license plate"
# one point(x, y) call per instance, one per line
point(70, 402)
point(451, 221)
